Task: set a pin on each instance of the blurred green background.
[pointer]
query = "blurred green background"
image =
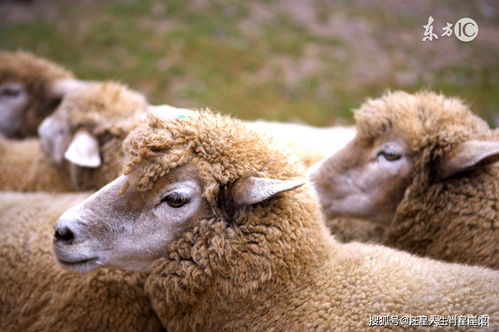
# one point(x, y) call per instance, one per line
point(298, 60)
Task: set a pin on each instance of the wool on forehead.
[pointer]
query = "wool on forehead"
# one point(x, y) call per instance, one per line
point(98, 106)
point(26, 68)
point(423, 119)
point(220, 148)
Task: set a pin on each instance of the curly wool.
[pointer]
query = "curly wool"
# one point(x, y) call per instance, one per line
point(273, 265)
point(102, 107)
point(37, 74)
point(219, 152)
point(38, 295)
point(455, 219)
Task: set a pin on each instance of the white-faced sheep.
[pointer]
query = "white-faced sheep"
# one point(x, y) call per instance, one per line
point(82, 140)
point(87, 131)
point(232, 241)
point(37, 295)
point(30, 89)
point(422, 163)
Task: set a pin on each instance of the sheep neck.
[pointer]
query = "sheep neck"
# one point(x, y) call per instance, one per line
point(458, 210)
point(216, 270)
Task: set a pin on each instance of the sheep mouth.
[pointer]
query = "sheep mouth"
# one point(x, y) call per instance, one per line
point(78, 265)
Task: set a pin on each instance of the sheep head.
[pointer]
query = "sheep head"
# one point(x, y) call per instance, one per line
point(181, 174)
point(401, 137)
point(30, 89)
point(86, 120)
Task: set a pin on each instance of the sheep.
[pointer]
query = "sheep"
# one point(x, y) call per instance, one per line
point(37, 295)
point(231, 239)
point(82, 139)
point(30, 89)
point(87, 130)
point(422, 164)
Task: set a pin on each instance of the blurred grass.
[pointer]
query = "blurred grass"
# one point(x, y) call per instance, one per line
point(262, 59)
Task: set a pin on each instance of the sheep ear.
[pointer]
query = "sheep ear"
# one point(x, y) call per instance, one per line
point(254, 190)
point(169, 113)
point(62, 86)
point(468, 155)
point(84, 150)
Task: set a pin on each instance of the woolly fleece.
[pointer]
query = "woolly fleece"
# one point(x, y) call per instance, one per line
point(24, 167)
point(273, 265)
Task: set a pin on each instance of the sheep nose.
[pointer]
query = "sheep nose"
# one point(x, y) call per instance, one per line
point(64, 235)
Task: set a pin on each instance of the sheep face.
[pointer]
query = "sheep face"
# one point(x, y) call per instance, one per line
point(88, 117)
point(402, 140)
point(30, 89)
point(24, 106)
point(127, 230)
point(365, 179)
point(13, 100)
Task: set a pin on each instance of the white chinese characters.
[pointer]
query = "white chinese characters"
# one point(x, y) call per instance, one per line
point(465, 29)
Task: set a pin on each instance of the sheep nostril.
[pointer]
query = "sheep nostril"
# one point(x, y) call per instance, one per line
point(64, 234)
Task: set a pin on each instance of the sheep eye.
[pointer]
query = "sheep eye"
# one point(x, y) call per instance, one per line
point(390, 156)
point(9, 92)
point(175, 200)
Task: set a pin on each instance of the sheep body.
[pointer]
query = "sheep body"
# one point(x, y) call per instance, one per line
point(24, 167)
point(38, 295)
point(310, 144)
point(465, 231)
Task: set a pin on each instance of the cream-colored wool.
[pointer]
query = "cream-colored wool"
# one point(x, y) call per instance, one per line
point(37, 75)
point(273, 265)
point(38, 295)
point(24, 167)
